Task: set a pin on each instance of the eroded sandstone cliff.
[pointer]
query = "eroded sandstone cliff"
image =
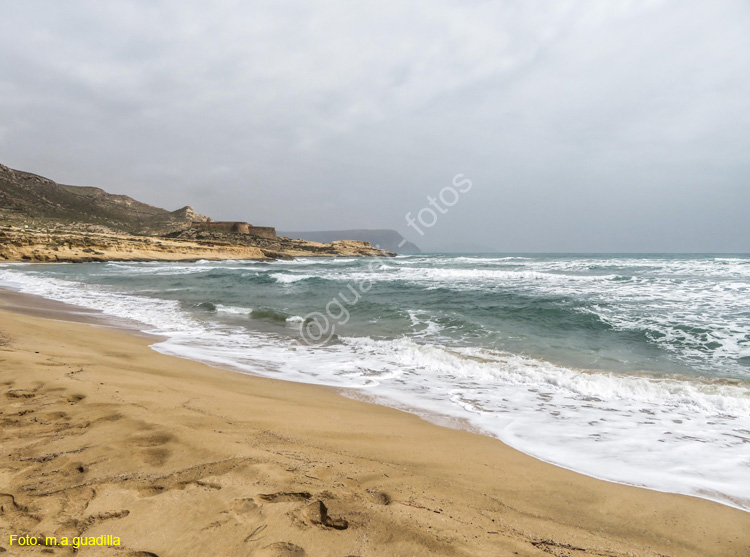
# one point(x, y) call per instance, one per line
point(57, 245)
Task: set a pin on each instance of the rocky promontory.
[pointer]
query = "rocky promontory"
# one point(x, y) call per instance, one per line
point(41, 220)
point(21, 244)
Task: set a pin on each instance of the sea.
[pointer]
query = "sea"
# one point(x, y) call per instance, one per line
point(629, 368)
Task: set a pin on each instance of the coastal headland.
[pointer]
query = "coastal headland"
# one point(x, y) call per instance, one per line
point(43, 221)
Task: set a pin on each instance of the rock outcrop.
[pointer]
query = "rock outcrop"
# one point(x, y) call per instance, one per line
point(283, 245)
point(385, 239)
point(21, 244)
point(188, 214)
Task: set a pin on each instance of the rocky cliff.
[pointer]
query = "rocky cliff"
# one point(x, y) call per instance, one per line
point(20, 244)
point(41, 220)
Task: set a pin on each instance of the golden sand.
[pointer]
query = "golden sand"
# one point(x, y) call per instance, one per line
point(102, 436)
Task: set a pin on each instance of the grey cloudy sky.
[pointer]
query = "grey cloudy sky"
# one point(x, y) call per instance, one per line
point(584, 126)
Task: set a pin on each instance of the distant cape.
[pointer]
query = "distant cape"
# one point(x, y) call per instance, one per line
point(389, 240)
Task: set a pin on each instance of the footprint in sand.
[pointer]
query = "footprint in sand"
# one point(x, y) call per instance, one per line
point(20, 393)
point(56, 416)
point(191, 476)
point(281, 549)
point(245, 507)
point(16, 514)
point(113, 417)
point(156, 456)
point(317, 513)
point(285, 497)
point(382, 497)
point(152, 447)
point(8, 504)
point(151, 439)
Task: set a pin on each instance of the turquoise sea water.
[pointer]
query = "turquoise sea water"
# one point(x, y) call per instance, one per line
point(634, 368)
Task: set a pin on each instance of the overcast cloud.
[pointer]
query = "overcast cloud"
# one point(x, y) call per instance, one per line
point(584, 126)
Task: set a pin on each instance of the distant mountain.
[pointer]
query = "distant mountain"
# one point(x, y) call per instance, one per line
point(389, 240)
point(25, 196)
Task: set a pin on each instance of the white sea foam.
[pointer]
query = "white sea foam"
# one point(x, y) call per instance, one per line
point(233, 309)
point(288, 279)
point(423, 324)
point(678, 435)
point(685, 435)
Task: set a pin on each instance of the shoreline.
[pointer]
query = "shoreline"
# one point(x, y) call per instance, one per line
point(174, 442)
point(642, 478)
point(33, 305)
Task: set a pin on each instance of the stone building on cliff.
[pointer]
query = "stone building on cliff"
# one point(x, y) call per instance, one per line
point(237, 228)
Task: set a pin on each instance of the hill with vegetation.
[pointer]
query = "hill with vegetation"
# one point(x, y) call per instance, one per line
point(41, 220)
point(32, 200)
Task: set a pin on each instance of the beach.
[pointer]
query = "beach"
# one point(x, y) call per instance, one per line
point(102, 436)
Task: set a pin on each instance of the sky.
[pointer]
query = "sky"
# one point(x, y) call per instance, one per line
point(618, 126)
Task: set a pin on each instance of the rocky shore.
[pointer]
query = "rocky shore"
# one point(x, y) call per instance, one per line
point(79, 246)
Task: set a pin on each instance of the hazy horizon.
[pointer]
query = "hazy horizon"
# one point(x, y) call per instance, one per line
point(583, 127)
